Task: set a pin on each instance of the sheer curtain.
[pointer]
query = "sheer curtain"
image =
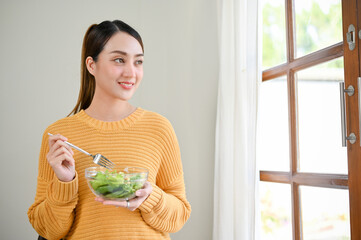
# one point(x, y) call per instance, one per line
point(235, 153)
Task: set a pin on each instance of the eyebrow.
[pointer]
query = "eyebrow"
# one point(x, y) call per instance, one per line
point(124, 53)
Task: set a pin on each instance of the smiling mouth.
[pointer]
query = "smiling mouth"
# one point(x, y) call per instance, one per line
point(127, 84)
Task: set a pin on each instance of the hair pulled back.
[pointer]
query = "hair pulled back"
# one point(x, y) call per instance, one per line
point(94, 41)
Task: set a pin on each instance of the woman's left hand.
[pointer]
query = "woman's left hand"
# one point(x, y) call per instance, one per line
point(134, 203)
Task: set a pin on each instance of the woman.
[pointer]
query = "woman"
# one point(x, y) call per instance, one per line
point(103, 121)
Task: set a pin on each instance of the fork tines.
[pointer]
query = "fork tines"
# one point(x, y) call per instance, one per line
point(104, 162)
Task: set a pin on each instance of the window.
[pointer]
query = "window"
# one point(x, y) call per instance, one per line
point(310, 187)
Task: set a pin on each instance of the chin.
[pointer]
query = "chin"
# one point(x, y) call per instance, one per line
point(125, 98)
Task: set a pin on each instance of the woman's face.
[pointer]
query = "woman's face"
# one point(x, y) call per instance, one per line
point(119, 68)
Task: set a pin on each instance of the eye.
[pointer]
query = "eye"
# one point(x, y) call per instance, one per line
point(119, 60)
point(139, 62)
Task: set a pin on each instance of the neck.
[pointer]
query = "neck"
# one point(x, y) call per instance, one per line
point(110, 112)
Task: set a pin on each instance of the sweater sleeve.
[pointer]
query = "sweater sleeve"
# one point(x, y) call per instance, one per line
point(52, 212)
point(167, 209)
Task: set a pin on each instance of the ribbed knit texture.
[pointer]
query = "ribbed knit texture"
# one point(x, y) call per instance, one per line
point(143, 139)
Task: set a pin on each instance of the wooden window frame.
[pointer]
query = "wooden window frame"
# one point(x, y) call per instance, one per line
point(351, 181)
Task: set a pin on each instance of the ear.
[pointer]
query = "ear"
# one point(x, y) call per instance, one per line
point(90, 65)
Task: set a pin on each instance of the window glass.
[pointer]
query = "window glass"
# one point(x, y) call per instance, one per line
point(325, 213)
point(273, 137)
point(275, 211)
point(318, 25)
point(274, 33)
point(319, 114)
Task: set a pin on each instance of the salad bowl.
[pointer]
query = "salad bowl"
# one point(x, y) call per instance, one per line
point(116, 185)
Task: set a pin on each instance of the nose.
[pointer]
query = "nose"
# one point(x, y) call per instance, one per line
point(129, 70)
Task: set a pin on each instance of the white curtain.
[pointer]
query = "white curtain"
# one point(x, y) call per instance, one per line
point(235, 154)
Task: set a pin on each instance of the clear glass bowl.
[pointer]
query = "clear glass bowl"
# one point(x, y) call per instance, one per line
point(117, 184)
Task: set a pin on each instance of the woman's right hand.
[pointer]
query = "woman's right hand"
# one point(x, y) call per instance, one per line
point(60, 158)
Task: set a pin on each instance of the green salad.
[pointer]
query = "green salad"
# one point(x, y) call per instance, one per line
point(113, 185)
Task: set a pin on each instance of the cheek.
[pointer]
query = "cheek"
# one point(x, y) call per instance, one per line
point(140, 75)
point(109, 69)
point(104, 71)
point(114, 71)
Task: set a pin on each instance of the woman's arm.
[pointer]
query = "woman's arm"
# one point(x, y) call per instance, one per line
point(167, 209)
point(52, 214)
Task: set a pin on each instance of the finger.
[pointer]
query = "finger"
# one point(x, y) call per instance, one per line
point(106, 202)
point(99, 199)
point(54, 144)
point(147, 185)
point(145, 191)
point(134, 205)
point(63, 159)
point(116, 203)
point(60, 144)
point(60, 151)
point(60, 155)
point(68, 160)
point(54, 138)
point(57, 136)
point(58, 139)
point(52, 154)
point(141, 193)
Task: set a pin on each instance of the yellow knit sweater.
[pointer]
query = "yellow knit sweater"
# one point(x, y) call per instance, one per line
point(143, 139)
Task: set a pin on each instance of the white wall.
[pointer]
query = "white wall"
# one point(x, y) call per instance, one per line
point(39, 83)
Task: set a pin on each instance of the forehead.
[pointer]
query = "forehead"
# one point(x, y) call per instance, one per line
point(124, 42)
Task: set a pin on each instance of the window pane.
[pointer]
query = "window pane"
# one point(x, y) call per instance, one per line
point(275, 211)
point(273, 140)
point(325, 213)
point(274, 33)
point(318, 24)
point(320, 142)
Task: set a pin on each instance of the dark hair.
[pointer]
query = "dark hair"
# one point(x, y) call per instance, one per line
point(94, 41)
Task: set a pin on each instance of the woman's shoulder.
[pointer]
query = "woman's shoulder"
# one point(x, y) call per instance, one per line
point(62, 123)
point(157, 122)
point(155, 118)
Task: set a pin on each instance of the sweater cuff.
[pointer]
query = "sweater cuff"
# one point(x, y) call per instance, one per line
point(63, 192)
point(153, 199)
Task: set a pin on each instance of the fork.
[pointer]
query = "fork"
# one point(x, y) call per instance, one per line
point(97, 158)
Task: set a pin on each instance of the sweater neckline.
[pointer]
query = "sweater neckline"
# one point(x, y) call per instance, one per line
point(124, 123)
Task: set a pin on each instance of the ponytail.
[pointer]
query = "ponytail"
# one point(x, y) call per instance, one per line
point(87, 83)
